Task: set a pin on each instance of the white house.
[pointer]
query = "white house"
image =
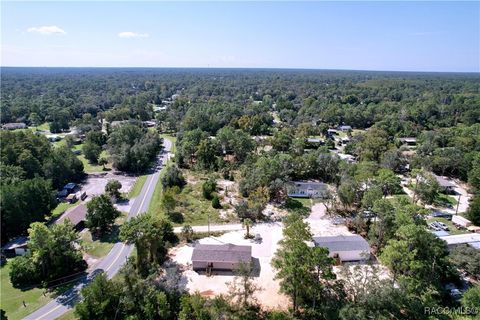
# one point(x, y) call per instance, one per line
point(345, 248)
point(306, 189)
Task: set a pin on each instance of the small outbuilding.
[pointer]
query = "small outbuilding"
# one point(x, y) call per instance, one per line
point(14, 126)
point(76, 215)
point(345, 248)
point(345, 128)
point(16, 247)
point(461, 221)
point(225, 257)
point(408, 141)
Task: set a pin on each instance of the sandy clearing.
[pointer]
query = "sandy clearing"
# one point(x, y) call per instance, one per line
point(321, 225)
point(95, 183)
point(263, 252)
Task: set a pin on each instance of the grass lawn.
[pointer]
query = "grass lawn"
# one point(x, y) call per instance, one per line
point(297, 205)
point(306, 202)
point(135, 191)
point(445, 200)
point(60, 143)
point(101, 246)
point(44, 127)
point(194, 209)
point(61, 207)
point(70, 315)
point(92, 168)
point(451, 228)
point(11, 298)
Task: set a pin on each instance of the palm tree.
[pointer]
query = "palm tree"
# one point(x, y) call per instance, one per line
point(247, 223)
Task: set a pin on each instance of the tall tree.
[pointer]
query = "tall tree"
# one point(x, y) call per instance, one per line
point(101, 214)
point(151, 236)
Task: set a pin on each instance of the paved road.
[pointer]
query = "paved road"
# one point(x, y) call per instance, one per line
point(115, 259)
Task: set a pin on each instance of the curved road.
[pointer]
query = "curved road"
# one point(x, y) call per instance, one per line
point(115, 259)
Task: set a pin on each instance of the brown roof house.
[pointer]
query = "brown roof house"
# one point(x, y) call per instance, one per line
point(76, 216)
point(207, 257)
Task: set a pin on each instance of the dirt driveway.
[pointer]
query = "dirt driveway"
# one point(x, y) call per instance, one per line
point(322, 225)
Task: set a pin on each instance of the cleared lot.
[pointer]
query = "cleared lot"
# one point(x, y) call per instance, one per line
point(95, 183)
point(262, 254)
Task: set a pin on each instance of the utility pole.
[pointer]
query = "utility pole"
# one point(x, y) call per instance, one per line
point(458, 204)
point(208, 218)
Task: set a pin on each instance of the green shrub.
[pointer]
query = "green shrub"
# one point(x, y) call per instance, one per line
point(216, 202)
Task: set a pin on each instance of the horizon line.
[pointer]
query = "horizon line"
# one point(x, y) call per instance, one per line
point(242, 68)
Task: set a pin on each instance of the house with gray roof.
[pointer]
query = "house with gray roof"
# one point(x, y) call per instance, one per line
point(345, 248)
point(76, 216)
point(307, 189)
point(225, 257)
point(445, 185)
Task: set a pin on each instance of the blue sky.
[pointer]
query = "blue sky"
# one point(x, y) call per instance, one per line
point(411, 36)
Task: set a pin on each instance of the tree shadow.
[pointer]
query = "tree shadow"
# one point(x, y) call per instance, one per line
point(109, 236)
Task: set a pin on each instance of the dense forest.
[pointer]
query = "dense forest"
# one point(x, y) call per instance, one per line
point(262, 129)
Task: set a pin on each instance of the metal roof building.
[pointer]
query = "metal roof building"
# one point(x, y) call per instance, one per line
point(76, 215)
point(346, 248)
point(220, 257)
point(472, 239)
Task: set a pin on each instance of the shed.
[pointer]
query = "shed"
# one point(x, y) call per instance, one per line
point(306, 189)
point(76, 215)
point(346, 248)
point(14, 126)
point(331, 132)
point(345, 128)
point(461, 221)
point(220, 257)
point(474, 229)
point(16, 247)
point(408, 141)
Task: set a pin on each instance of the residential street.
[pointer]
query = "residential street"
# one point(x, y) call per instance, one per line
point(115, 259)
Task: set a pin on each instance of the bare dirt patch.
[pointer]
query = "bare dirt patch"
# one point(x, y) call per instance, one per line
point(95, 183)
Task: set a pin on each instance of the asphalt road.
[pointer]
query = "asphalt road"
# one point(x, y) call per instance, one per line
point(115, 259)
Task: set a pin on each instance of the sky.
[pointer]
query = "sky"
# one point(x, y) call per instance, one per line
point(398, 36)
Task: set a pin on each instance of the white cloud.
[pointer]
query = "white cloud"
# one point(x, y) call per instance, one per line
point(130, 34)
point(46, 30)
